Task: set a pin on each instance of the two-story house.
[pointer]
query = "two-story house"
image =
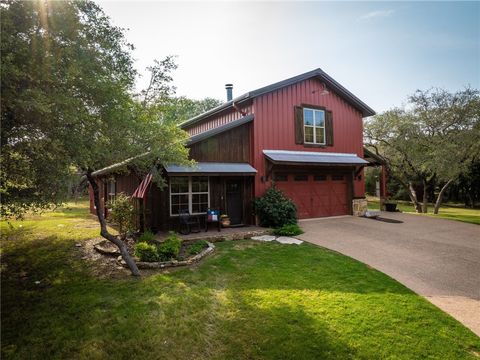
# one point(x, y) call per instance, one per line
point(304, 134)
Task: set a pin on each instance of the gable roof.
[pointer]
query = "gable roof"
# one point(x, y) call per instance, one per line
point(317, 73)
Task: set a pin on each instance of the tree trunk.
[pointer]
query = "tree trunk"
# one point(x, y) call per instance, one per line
point(425, 197)
point(104, 232)
point(440, 197)
point(471, 199)
point(413, 196)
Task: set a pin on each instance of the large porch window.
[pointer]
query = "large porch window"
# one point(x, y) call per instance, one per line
point(189, 192)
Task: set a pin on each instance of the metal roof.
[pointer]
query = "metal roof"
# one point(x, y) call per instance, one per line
point(212, 168)
point(309, 157)
point(318, 73)
point(215, 131)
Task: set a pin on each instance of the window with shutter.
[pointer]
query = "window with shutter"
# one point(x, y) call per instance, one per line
point(298, 125)
point(313, 126)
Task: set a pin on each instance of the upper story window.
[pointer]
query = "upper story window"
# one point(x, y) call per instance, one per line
point(314, 126)
point(189, 193)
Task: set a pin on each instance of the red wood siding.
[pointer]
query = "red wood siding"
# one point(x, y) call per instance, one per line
point(274, 126)
point(126, 183)
point(223, 118)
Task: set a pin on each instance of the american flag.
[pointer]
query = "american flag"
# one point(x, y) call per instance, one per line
point(141, 190)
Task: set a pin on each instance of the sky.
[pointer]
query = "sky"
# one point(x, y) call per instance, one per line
point(380, 51)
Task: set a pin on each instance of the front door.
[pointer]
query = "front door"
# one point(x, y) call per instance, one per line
point(234, 200)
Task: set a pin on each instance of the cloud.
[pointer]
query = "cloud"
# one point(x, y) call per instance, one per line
point(377, 14)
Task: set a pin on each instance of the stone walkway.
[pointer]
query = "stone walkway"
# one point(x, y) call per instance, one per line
point(280, 239)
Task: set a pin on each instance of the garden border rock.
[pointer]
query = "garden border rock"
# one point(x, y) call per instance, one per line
point(173, 263)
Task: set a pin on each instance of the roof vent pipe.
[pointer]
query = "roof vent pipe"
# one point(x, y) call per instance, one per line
point(229, 88)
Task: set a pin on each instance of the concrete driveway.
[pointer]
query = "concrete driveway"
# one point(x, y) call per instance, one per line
point(438, 259)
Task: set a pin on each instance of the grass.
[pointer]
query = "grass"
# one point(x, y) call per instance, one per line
point(249, 300)
point(447, 211)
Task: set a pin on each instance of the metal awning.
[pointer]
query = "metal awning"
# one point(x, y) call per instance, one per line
point(313, 158)
point(212, 168)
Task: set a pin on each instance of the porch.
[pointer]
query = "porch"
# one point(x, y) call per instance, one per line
point(212, 235)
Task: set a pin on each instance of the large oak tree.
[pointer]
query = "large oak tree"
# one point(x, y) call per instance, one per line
point(68, 105)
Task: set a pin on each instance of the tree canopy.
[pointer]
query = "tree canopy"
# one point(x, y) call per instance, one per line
point(68, 103)
point(180, 109)
point(69, 107)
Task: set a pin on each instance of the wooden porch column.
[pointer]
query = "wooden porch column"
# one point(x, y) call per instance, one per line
point(383, 182)
point(383, 187)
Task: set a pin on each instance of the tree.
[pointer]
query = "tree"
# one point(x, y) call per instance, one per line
point(390, 134)
point(67, 83)
point(433, 140)
point(179, 109)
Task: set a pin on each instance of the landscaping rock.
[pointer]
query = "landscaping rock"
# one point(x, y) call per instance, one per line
point(107, 248)
point(372, 214)
point(288, 240)
point(174, 263)
point(264, 238)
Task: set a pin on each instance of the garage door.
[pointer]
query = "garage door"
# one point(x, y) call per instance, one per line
point(316, 195)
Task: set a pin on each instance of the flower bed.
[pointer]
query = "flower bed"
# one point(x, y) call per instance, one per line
point(171, 252)
point(174, 263)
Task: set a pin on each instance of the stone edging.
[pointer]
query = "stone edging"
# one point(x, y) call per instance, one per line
point(173, 263)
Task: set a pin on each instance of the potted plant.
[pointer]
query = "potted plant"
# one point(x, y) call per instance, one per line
point(225, 220)
point(390, 205)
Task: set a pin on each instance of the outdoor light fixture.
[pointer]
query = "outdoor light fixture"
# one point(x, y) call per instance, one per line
point(323, 92)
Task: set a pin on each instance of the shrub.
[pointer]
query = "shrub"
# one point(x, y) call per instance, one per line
point(148, 237)
point(170, 247)
point(197, 247)
point(274, 209)
point(146, 252)
point(288, 230)
point(122, 213)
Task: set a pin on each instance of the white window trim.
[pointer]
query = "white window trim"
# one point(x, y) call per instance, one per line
point(190, 195)
point(314, 127)
point(111, 196)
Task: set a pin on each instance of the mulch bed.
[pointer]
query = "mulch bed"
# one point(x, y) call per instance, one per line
point(105, 260)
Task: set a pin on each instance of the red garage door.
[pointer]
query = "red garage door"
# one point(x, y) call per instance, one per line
point(316, 195)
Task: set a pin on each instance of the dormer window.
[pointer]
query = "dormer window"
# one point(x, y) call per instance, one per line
point(314, 126)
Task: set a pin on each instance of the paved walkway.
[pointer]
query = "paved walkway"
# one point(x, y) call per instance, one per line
point(437, 258)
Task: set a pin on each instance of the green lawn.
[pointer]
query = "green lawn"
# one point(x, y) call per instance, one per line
point(450, 211)
point(249, 300)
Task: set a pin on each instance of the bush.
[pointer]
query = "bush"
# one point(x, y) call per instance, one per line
point(170, 248)
point(146, 252)
point(288, 230)
point(197, 247)
point(274, 209)
point(122, 213)
point(148, 237)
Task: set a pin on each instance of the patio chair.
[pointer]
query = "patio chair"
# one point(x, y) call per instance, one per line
point(188, 223)
point(212, 217)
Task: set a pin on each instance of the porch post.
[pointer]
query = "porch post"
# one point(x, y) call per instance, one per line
point(383, 186)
